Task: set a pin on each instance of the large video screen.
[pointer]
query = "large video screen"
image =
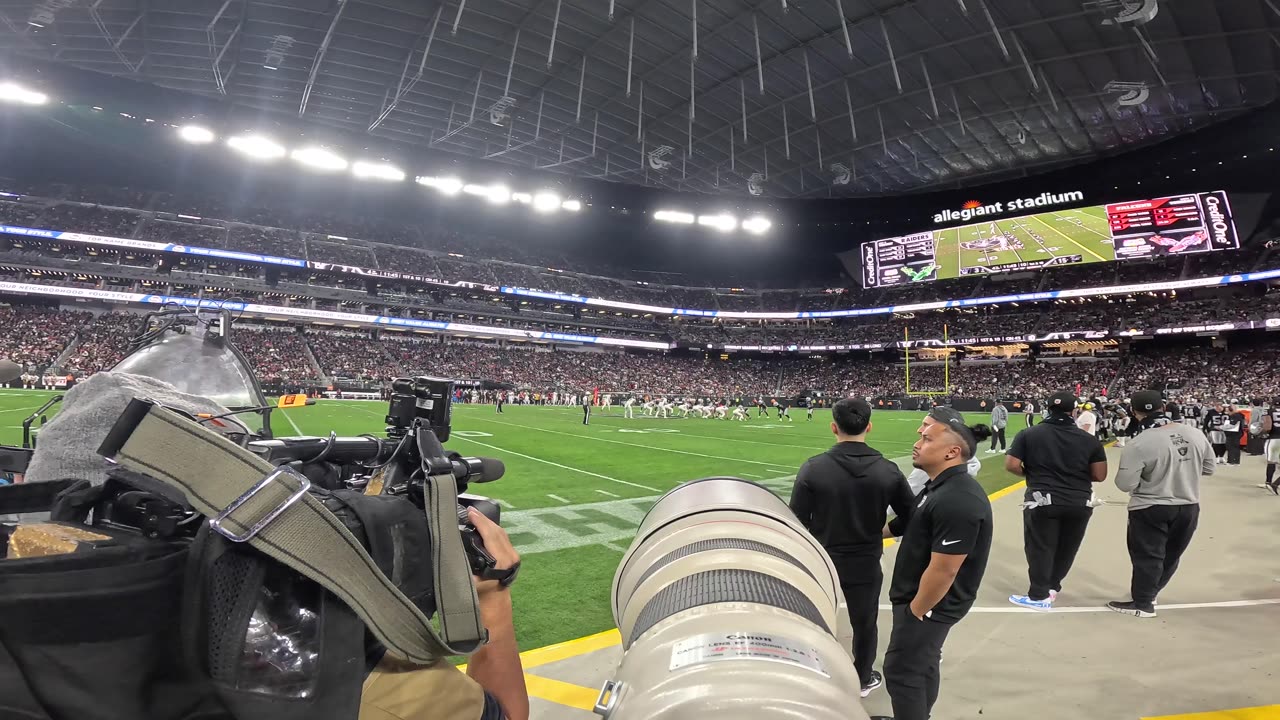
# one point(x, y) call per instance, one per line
point(1139, 229)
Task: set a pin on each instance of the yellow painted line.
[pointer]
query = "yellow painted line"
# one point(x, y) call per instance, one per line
point(1068, 238)
point(1007, 491)
point(571, 648)
point(560, 692)
point(1269, 712)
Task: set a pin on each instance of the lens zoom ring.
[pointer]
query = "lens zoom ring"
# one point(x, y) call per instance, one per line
point(719, 544)
point(718, 586)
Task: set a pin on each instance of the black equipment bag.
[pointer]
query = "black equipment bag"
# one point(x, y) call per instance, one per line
point(194, 628)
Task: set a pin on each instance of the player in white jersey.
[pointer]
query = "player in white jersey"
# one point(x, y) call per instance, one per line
point(664, 408)
point(707, 410)
point(740, 413)
point(606, 402)
point(629, 408)
point(649, 407)
point(685, 407)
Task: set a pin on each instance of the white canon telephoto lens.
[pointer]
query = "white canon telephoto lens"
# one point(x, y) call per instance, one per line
point(729, 608)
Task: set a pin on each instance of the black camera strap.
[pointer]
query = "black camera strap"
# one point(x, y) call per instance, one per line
point(270, 508)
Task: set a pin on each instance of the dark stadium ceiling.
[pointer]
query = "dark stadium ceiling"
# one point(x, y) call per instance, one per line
point(899, 95)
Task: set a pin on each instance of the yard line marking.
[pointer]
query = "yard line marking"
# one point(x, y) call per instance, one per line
point(1103, 608)
point(647, 447)
point(606, 492)
point(1070, 239)
point(751, 476)
point(26, 410)
point(556, 464)
point(557, 497)
point(293, 424)
point(505, 504)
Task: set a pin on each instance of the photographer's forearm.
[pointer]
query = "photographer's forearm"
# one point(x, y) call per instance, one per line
point(496, 666)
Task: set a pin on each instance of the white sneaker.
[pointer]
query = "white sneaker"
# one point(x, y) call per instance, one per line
point(1095, 501)
point(1037, 605)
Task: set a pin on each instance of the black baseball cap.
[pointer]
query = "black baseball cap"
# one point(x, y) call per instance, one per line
point(1062, 402)
point(955, 421)
point(1147, 401)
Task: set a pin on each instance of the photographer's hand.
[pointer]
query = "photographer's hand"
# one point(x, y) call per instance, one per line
point(496, 666)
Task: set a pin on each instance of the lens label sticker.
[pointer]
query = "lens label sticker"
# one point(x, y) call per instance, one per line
point(719, 647)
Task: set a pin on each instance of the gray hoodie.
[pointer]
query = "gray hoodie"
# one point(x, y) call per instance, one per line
point(1163, 465)
point(999, 416)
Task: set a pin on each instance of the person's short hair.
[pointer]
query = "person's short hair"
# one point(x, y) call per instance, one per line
point(970, 435)
point(852, 415)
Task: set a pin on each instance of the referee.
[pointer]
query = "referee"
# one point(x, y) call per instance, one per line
point(1061, 461)
point(586, 409)
point(940, 563)
point(841, 497)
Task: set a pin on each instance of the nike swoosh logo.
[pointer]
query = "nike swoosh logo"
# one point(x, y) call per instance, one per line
point(949, 542)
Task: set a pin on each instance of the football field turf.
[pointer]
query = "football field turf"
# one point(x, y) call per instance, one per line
point(573, 494)
point(1082, 232)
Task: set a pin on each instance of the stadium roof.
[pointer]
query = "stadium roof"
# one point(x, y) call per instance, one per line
point(938, 92)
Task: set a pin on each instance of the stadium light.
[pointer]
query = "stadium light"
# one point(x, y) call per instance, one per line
point(448, 185)
point(723, 223)
point(546, 202)
point(674, 216)
point(13, 92)
point(756, 225)
point(376, 171)
point(572, 205)
point(477, 190)
point(256, 147)
point(499, 194)
point(319, 159)
point(196, 134)
point(522, 197)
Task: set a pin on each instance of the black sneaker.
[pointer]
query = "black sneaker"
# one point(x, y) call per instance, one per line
point(1274, 488)
point(1132, 608)
point(876, 681)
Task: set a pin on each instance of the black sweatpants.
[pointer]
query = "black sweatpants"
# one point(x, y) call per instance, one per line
point(586, 414)
point(1158, 535)
point(911, 664)
point(997, 434)
point(863, 599)
point(1030, 418)
point(1233, 448)
point(1051, 537)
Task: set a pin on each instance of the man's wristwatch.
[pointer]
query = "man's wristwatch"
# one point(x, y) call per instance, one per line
point(504, 577)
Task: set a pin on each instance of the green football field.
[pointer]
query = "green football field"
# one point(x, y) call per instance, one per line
point(1084, 232)
point(573, 494)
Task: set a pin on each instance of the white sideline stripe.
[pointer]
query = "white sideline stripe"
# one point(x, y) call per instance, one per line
point(647, 447)
point(750, 475)
point(557, 497)
point(1101, 608)
point(33, 408)
point(556, 464)
point(606, 492)
point(292, 424)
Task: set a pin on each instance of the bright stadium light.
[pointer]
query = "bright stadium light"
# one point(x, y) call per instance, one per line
point(13, 92)
point(319, 159)
point(572, 205)
point(522, 197)
point(256, 147)
point(448, 186)
point(499, 194)
point(546, 202)
point(674, 216)
point(757, 225)
point(196, 134)
point(477, 190)
point(376, 171)
point(723, 223)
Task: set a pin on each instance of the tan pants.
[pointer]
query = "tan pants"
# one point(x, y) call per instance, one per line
point(397, 690)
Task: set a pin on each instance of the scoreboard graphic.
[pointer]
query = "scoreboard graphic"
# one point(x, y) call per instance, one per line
point(1135, 230)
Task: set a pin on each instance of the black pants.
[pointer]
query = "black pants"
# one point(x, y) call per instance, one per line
point(1031, 419)
point(1158, 535)
point(864, 610)
point(1219, 449)
point(911, 664)
point(1233, 448)
point(997, 434)
point(1051, 537)
point(586, 414)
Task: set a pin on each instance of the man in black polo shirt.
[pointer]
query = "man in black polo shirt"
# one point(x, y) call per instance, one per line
point(842, 496)
point(940, 562)
point(1061, 462)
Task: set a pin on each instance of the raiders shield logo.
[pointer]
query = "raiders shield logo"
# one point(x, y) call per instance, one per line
point(1182, 451)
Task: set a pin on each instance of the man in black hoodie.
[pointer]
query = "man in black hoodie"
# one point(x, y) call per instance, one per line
point(841, 496)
